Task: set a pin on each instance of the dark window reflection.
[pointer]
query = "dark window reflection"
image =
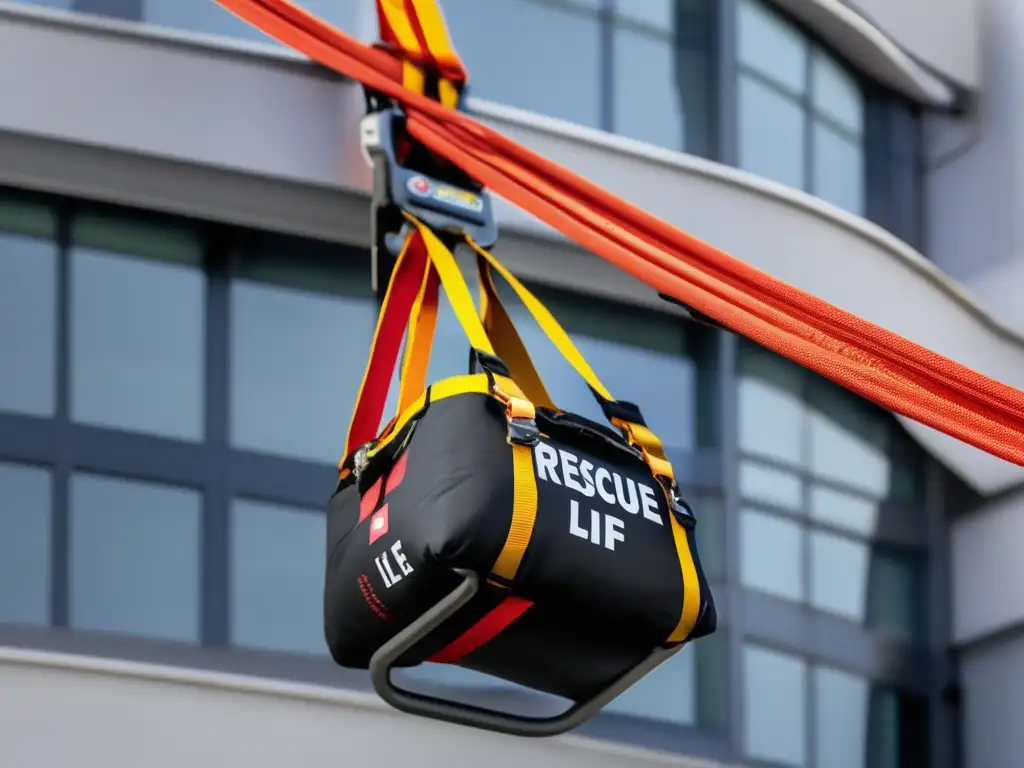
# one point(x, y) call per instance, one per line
point(860, 725)
point(894, 167)
point(663, 73)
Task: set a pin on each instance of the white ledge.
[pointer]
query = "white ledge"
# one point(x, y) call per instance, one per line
point(208, 707)
point(869, 49)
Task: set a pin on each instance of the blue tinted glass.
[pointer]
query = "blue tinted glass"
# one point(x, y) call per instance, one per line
point(668, 694)
point(649, 103)
point(838, 169)
point(841, 719)
point(277, 575)
point(138, 320)
point(560, 73)
point(297, 359)
point(771, 142)
point(134, 558)
point(24, 544)
point(774, 715)
point(208, 16)
point(28, 315)
point(64, 5)
point(771, 45)
point(771, 552)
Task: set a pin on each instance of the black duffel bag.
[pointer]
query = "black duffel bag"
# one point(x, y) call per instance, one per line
point(486, 528)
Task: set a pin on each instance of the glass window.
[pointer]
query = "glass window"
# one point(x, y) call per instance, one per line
point(841, 719)
point(843, 510)
point(24, 544)
point(663, 74)
point(771, 552)
point(773, 706)
point(135, 554)
point(64, 5)
point(838, 169)
point(771, 411)
point(657, 14)
point(896, 600)
point(138, 318)
point(856, 514)
point(836, 93)
point(208, 16)
point(839, 575)
point(898, 730)
point(771, 486)
point(28, 308)
point(770, 45)
point(847, 444)
point(771, 142)
point(668, 694)
point(648, 100)
point(277, 574)
point(560, 76)
point(300, 335)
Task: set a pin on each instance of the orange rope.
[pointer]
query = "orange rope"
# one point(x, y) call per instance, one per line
point(861, 356)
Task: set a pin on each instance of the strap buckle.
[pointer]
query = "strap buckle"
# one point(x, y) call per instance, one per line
point(521, 416)
point(407, 177)
point(361, 458)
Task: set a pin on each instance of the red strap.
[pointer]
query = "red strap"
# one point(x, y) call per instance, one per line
point(380, 366)
point(490, 626)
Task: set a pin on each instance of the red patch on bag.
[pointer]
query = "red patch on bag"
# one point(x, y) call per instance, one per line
point(379, 523)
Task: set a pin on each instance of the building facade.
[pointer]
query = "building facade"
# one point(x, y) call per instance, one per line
point(187, 298)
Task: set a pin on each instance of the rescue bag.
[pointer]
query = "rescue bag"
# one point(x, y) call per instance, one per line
point(487, 528)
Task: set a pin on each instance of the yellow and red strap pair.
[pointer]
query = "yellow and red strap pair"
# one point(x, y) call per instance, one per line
point(417, 29)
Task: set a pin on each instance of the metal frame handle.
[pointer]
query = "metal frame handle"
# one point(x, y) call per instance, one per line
point(382, 662)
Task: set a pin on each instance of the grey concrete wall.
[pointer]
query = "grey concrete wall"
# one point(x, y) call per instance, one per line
point(976, 186)
point(943, 34)
point(113, 714)
point(993, 703)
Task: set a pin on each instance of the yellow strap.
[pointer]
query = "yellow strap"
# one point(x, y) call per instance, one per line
point(638, 435)
point(436, 34)
point(524, 515)
point(455, 287)
point(547, 323)
point(508, 345)
point(691, 585)
point(413, 76)
point(418, 343)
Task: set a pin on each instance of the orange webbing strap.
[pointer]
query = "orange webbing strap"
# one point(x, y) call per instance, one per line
point(508, 344)
point(422, 324)
point(865, 358)
point(417, 27)
point(403, 290)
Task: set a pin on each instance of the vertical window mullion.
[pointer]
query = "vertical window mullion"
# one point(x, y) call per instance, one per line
point(216, 552)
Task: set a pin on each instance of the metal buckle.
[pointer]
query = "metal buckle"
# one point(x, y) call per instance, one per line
point(407, 177)
point(361, 458)
point(521, 416)
point(679, 507)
